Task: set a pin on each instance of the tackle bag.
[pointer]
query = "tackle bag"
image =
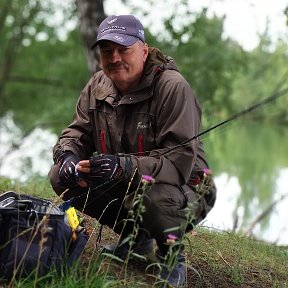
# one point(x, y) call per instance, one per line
point(35, 236)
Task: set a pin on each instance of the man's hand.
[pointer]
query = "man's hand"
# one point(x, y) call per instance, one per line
point(67, 163)
point(100, 169)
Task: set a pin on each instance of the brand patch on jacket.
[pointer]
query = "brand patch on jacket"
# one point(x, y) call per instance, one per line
point(141, 125)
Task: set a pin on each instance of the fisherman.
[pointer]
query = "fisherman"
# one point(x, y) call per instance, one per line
point(128, 118)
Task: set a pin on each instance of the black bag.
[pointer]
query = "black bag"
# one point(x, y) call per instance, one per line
point(35, 237)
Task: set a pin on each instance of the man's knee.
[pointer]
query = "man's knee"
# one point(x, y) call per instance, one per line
point(164, 206)
point(162, 196)
point(168, 206)
point(55, 180)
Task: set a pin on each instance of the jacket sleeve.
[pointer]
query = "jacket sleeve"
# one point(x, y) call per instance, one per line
point(178, 119)
point(78, 136)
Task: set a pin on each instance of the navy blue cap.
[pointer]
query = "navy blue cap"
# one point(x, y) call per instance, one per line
point(123, 29)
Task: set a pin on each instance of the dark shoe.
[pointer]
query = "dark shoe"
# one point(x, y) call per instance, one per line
point(143, 247)
point(174, 276)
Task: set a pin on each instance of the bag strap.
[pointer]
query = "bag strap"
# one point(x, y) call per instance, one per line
point(8, 198)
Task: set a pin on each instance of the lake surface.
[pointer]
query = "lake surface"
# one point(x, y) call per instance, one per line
point(249, 162)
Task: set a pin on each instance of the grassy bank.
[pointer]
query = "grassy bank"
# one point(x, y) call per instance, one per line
point(214, 259)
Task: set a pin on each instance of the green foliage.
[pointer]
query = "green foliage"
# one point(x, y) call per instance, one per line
point(41, 75)
point(265, 74)
point(209, 63)
point(50, 86)
point(35, 186)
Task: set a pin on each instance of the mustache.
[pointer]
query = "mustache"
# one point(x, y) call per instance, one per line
point(117, 65)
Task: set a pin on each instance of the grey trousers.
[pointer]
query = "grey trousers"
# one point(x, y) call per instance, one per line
point(165, 207)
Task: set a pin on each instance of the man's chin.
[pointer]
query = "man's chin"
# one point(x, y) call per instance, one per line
point(117, 76)
point(117, 71)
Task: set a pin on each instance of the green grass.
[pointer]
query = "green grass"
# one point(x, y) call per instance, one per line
point(37, 186)
point(214, 259)
point(237, 261)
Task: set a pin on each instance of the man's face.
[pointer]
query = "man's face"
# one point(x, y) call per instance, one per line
point(123, 65)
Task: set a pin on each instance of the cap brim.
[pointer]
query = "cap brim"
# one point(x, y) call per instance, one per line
point(120, 39)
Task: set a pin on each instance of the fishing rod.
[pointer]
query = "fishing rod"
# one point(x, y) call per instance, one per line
point(251, 108)
point(233, 117)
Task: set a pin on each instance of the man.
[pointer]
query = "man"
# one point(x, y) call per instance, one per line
point(135, 118)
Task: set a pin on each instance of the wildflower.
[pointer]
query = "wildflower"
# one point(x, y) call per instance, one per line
point(207, 172)
point(171, 239)
point(146, 179)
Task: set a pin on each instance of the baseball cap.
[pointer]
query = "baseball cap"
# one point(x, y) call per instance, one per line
point(122, 29)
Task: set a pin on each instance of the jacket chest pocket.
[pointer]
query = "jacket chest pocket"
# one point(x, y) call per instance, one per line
point(139, 132)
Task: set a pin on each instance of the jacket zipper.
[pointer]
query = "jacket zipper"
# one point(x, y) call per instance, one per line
point(102, 141)
point(140, 144)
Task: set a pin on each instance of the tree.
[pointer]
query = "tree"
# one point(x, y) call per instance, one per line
point(91, 15)
point(266, 73)
point(41, 73)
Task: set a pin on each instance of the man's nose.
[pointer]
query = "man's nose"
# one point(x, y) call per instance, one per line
point(115, 55)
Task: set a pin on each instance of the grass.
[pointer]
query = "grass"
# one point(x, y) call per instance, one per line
point(229, 260)
point(214, 258)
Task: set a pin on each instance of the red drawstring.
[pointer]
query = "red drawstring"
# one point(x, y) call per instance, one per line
point(102, 141)
point(140, 144)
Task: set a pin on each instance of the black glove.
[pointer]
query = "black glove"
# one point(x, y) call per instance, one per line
point(103, 169)
point(67, 162)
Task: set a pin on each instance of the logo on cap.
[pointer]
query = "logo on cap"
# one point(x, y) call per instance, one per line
point(112, 21)
point(119, 38)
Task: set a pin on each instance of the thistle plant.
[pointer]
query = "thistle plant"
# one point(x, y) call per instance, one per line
point(134, 202)
point(135, 214)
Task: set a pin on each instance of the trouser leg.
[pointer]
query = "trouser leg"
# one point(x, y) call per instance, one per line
point(170, 207)
point(167, 207)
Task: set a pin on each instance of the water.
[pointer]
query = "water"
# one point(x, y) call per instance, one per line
point(249, 161)
point(227, 210)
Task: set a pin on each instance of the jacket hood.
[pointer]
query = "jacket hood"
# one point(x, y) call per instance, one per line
point(157, 58)
point(156, 62)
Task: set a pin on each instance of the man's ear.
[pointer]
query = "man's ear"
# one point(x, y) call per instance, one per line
point(145, 52)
